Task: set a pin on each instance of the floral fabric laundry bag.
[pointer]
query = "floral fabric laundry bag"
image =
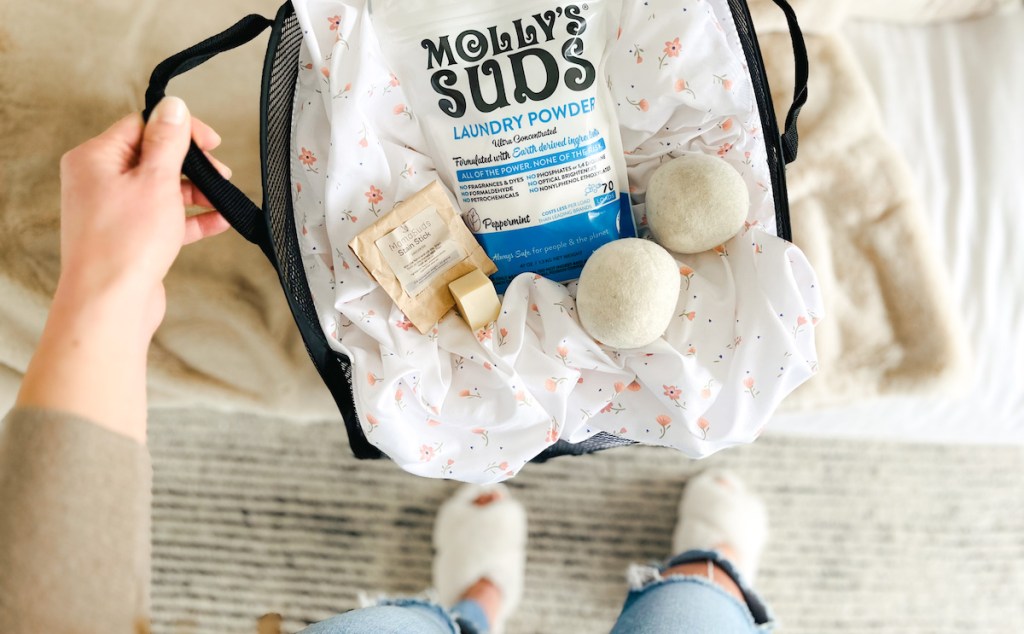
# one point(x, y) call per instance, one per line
point(344, 141)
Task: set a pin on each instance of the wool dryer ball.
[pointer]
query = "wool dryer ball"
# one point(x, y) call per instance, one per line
point(696, 202)
point(627, 294)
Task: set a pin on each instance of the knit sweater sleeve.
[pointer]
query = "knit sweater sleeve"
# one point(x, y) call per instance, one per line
point(74, 526)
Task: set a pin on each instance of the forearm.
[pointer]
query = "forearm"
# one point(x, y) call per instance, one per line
point(75, 478)
point(91, 359)
point(74, 471)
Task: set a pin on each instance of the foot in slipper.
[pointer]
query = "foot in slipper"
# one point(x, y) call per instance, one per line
point(718, 512)
point(480, 543)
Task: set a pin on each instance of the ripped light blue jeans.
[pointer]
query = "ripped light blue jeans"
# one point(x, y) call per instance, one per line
point(657, 605)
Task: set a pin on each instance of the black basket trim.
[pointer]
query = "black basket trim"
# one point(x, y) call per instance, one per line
point(769, 124)
point(280, 71)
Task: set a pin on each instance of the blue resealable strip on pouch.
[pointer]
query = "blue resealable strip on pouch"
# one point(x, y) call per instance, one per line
point(513, 102)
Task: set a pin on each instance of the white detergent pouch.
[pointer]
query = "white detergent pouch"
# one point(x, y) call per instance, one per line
point(514, 104)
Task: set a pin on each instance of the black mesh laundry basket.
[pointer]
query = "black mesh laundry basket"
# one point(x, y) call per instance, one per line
point(272, 227)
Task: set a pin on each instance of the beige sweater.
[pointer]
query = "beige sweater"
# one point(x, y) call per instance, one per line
point(74, 527)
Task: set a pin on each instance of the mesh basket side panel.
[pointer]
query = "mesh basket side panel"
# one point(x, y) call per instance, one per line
point(598, 442)
point(279, 97)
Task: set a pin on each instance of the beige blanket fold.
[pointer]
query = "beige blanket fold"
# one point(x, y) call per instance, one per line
point(68, 69)
point(856, 214)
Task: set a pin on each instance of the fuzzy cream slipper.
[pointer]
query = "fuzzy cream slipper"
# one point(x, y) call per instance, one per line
point(481, 541)
point(717, 508)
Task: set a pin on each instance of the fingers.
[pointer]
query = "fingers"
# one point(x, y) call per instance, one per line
point(191, 196)
point(224, 170)
point(123, 140)
point(204, 136)
point(127, 129)
point(116, 150)
point(203, 226)
point(166, 138)
point(121, 143)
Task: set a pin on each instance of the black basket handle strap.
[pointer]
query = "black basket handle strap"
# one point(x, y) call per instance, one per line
point(243, 214)
point(790, 138)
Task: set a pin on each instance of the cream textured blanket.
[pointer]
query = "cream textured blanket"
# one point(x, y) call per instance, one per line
point(229, 342)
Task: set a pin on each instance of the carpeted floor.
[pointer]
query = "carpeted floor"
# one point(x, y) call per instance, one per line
point(257, 515)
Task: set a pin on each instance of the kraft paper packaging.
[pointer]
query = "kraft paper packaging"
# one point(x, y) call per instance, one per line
point(416, 250)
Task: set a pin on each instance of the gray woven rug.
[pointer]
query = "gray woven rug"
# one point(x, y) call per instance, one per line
point(257, 515)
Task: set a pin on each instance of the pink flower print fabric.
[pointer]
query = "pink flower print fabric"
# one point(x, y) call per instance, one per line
point(478, 405)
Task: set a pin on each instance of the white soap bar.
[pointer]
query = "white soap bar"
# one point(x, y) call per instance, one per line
point(476, 299)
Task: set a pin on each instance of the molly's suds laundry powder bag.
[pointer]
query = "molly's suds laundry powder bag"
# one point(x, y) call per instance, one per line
point(519, 121)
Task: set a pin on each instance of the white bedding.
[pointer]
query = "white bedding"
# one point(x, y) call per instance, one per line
point(952, 99)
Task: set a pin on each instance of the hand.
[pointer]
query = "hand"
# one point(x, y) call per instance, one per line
point(123, 223)
point(123, 207)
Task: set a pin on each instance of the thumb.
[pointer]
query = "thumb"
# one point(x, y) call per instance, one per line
point(166, 138)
